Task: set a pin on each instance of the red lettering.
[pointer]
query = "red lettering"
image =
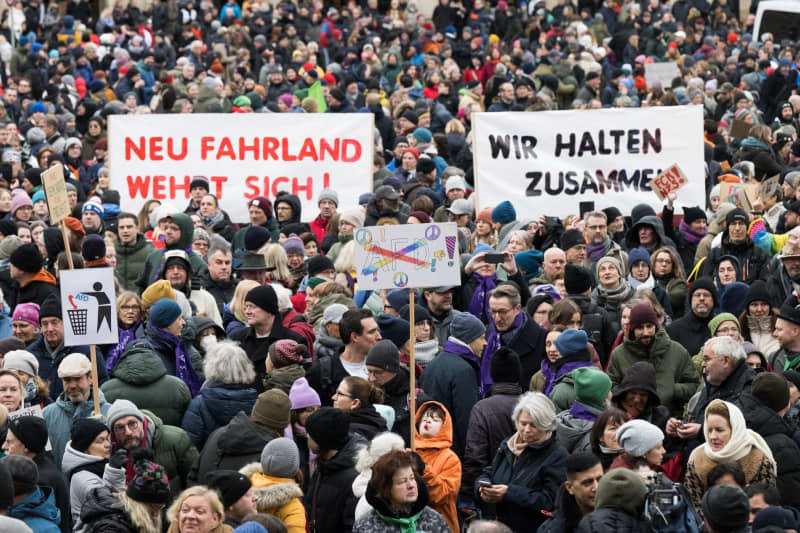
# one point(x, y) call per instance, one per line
point(132, 148)
point(270, 149)
point(159, 187)
point(308, 151)
point(155, 149)
point(308, 187)
point(325, 147)
point(171, 149)
point(356, 146)
point(226, 149)
point(251, 186)
point(326, 180)
point(275, 184)
point(206, 146)
point(285, 152)
point(218, 181)
point(138, 185)
point(175, 186)
point(244, 148)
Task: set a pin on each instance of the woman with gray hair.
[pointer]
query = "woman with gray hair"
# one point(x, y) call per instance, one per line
point(227, 390)
point(528, 469)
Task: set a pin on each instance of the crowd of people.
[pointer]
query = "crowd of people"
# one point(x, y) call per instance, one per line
point(582, 368)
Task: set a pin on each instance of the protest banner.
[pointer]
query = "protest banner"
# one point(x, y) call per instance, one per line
point(550, 161)
point(405, 257)
point(663, 73)
point(242, 156)
point(668, 181)
point(88, 313)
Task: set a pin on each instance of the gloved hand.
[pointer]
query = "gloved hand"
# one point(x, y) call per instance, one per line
point(118, 458)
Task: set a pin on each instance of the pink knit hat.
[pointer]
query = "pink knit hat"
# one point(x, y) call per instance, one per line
point(302, 395)
point(28, 312)
point(20, 200)
point(285, 352)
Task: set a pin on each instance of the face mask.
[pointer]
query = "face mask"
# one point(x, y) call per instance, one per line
point(207, 342)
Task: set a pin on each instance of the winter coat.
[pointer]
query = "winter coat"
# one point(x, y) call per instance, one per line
point(330, 503)
point(214, 407)
point(42, 285)
point(778, 434)
point(611, 520)
point(442, 472)
point(103, 513)
point(152, 265)
point(428, 521)
point(50, 476)
point(222, 291)
point(374, 214)
point(454, 382)
point(256, 347)
point(280, 497)
point(325, 376)
point(367, 422)
point(48, 364)
point(396, 396)
point(141, 377)
point(283, 378)
point(233, 446)
point(38, 510)
point(60, 416)
point(85, 473)
point(490, 424)
point(528, 342)
point(642, 376)
point(566, 514)
point(676, 377)
point(164, 348)
point(691, 331)
point(327, 346)
point(574, 433)
point(563, 393)
point(632, 237)
point(131, 259)
point(753, 260)
point(534, 479)
point(270, 225)
point(597, 325)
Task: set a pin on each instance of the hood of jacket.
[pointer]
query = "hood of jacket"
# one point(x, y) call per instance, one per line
point(367, 416)
point(571, 430)
point(187, 231)
point(139, 366)
point(41, 503)
point(386, 509)
point(243, 436)
point(73, 459)
point(293, 201)
point(641, 376)
point(444, 439)
point(761, 418)
point(632, 238)
point(346, 458)
point(272, 492)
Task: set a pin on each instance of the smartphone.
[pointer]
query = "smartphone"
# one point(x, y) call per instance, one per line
point(551, 222)
point(484, 484)
point(494, 258)
point(585, 207)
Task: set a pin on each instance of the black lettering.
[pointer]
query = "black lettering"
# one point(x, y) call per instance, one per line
point(572, 183)
point(601, 142)
point(625, 181)
point(587, 145)
point(633, 141)
point(535, 177)
point(565, 145)
point(548, 184)
point(588, 183)
point(605, 183)
point(649, 141)
point(646, 175)
point(616, 135)
point(515, 139)
point(499, 144)
point(528, 144)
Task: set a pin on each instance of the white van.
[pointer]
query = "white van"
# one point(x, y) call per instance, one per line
point(781, 18)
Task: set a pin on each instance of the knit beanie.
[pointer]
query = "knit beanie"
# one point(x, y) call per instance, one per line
point(328, 194)
point(385, 355)
point(333, 313)
point(27, 258)
point(638, 254)
point(485, 215)
point(150, 483)
point(642, 314)
point(21, 360)
point(570, 238)
point(466, 327)
point(302, 395)
point(726, 508)
point(10, 344)
point(20, 200)
point(255, 237)
point(294, 246)
point(591, 387)
point(776, 516)
point(26, 312)
point(265, 298)
point(122, 408)
point(280, 458)
point(690, 214)
point(577, 279)
point(732, 298)
point(229, 484)
point(51, 307)
point(504, 213)
point(84, 431)
point(612, 213)
point(621, 488)
point(94, 207)
point(328, 427)
point(394, 329)
point(614, 261)
point(164, 313)
point(319, 264)
point(505, 366)
point(314, 282)
point(8, 244)
point(272, 409)
point(793, 377)
point(421, 314)
point(8, 228)
point(31, 432)
point(24, 473)
point(397, 298)
point(704, 283)
point(772, 390)
point(758, 293)
point(284, 353)
point(571, 341)
point(714, 323)
point(94, 248)
point(638, 437)
point(355, 217)
point(482, 247)
point(737, 214)
point(6, 487)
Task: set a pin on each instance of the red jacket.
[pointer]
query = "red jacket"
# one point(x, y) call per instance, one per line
point(320, 227)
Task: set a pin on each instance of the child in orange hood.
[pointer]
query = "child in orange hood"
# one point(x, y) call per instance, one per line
point(433, 436)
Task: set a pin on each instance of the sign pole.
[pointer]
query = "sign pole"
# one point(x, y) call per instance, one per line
point(66, 245)
point(412, 395)
point(95, 384)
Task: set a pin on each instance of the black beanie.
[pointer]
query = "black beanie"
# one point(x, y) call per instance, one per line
point(726, 508)
point(319, 264)
point(7, 227)
point(94, 248)
point(34, 175)
point(612, 213)
point(264, 297)
point(758, 293)
point(51, 307)
point(505, 366)
point(570, 238)
point(230, 484)
point(84, 431)
point(255, 237)
point(690, 214)
point(27, 258)
point(703, 283)
point(31, 432)
point(385, 355)
point(737, 214)
point(328, 427)
point(577, 279)
point(772, 390)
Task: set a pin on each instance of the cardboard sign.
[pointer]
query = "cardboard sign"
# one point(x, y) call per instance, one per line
point(242, 155)
point(407, 256)
point(547, 163)
point(661, 72)
point(55, 191)
point(668, 181)
point(88, 306)
point(740, 194)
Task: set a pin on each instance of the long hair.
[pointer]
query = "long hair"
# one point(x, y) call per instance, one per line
point(239, 294)
point(140, 515)
point(226, 362)
point(275, 256)
point(211, 496)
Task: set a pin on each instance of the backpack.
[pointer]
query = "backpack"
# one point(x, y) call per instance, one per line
point(668, 509)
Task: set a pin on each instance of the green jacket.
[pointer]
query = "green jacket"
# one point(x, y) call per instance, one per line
point(141, 377)
point(676, 377)
point(563, 393)
point(173, 450)
point(152, 265)
point(131, 259)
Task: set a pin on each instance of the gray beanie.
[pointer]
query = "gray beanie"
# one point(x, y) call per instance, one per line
point(280, 458)
point(36, 135)
point(328, 194)
point(8, 244)
point(466, 327)
point(22, 360)
point(639, 437)
point(122, 408)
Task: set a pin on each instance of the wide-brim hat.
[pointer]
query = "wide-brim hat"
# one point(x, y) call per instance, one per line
point(254, 262)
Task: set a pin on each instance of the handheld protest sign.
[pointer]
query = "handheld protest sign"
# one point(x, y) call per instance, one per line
point(668, 181)
point(412, 371)
point(55, 191)
point(88, 313)
point(663, 73)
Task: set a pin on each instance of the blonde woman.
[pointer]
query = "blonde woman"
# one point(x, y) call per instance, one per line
point(275, 257)
point(346, 267)
point(233, 319)
point(197, 510)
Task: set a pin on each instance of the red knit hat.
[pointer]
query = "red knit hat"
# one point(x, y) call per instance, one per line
point(286, 352)
point(643, 314)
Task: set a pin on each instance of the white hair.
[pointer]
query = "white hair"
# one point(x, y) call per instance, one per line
point(226, 362)
point(540, 409)
point(284, 296)
point(380, 445)
point(726, 347)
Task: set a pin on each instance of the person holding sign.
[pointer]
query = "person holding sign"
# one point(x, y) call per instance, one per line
point(753, 260)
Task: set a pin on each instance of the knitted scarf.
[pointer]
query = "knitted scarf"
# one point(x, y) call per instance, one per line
point(615, 297)
point(457, 347)
point(649, 283)
point(689, 235)
point(125, 337)
point(552, 374)
point(479, 304)
point(212, 220)
point(183, 363)
point(406, 525)
point(596, 251)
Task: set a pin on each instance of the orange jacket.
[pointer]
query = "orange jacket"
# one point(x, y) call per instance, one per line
point(442, 467)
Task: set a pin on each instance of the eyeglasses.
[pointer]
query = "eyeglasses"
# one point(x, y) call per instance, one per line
point(337, 394)
point(500, 312)
point(727, 330)
point(132, 426)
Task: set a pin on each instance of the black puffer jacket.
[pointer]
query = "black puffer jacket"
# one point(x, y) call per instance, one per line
point(690, 331)
point(330, 503)
point(366, 422)
point(611, 520)
point(753, 260)
point(778, 434)
point(396, 396)
point(103, 513)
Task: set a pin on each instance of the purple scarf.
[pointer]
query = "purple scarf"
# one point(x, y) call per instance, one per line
point(466, 353)
point(596, 251)
point(479, 304)
point(125, 337)
point(551, 376)
point(493, 344)
point(689, 235)
point(183, 363)
point(578, 410)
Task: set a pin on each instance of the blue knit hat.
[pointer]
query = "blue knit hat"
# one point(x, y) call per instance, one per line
point(164, 312)
point(394, 329)
point(571, 341)
point(530, 261)
point(483, 247)
point(466, 327)
point(504, 213)
point(638, 254)
point(423, 135)
point(397, 298)
point(39, 196)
